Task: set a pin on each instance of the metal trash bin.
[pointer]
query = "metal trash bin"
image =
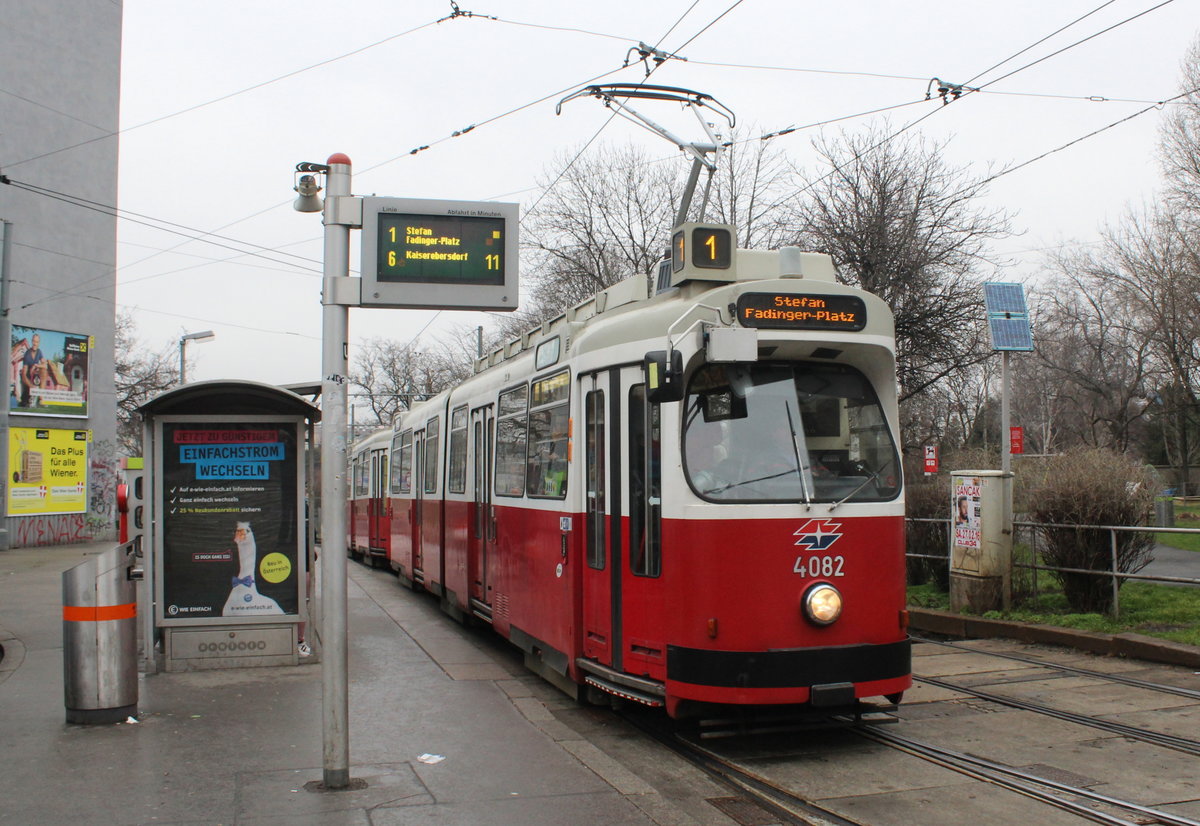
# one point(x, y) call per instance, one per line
point(100, 637)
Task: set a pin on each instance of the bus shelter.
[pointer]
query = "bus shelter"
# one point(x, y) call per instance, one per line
point(230, 542)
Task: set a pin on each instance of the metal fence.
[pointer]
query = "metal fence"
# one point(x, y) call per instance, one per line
point(1029, 550)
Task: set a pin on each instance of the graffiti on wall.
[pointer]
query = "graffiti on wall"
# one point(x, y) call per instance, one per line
point(51, 529)
point(102, 486)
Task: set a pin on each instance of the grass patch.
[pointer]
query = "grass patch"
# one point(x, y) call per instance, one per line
point(1186, 516)
point(1163, 611)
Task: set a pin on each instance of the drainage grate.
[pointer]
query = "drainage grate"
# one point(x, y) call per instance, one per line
point(746, 812)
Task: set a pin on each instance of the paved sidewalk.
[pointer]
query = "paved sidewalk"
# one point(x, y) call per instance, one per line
point(443, 730)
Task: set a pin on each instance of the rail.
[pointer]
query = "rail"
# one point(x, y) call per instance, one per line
point(1033, 530)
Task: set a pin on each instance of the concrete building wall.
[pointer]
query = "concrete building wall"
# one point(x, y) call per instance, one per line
point(59, 96)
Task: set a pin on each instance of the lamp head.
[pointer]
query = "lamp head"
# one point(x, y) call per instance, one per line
point(308, 188)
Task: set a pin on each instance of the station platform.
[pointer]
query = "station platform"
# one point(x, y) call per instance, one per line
point(445, 728)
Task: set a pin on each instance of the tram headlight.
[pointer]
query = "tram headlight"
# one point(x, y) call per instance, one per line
point(822, 604)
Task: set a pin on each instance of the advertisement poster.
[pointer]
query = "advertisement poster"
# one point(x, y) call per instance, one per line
point(48, 372)
point(48, 470)
point(968, 536)
point(229, 517)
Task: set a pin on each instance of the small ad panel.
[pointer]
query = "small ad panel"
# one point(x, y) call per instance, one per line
point(48, 372)
point(230, 526)
point(48, 471)
point(968, 533)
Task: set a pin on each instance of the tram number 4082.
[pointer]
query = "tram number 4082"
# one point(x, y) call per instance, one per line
point(827, 566)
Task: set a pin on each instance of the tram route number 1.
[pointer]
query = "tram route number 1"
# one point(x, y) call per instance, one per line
point(826, 566)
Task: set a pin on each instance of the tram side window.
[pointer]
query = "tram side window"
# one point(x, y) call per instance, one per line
point(403, 464)
point(457, 472)
point(594, 477)
point(546, 469)
point(431, 456)
point(362, 470)
point(511, 436)
point(645, 485)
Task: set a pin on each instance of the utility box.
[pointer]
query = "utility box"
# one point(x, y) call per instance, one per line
point(981, 540)
point(227, 483)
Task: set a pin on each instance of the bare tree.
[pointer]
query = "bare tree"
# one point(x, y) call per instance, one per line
point(141, 374)
point(1095, 357)
point(608, 215)
point(1179, 141)
point(902, 223)
point(605, 217)
point(749, 189)
point(392, 375)
point(1149, 260)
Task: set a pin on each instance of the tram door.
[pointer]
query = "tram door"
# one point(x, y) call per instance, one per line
point(483, 521)
point(418, 512)
point(379, 528)
point(601, 446)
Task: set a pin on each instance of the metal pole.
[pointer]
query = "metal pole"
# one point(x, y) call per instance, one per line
point(334, 370)
point(6, 337)
point(1116, 583)
point(1006, 480)
point(1005, 435)
point(183, 360)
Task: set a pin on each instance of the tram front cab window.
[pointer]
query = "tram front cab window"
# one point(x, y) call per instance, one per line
point(787, 432)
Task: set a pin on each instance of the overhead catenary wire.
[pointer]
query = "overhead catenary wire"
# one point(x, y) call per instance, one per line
point(1091, 134)
point(226, 96)
point(969, 91)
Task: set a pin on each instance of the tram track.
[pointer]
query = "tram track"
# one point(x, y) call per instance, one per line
point(1030, 785)
point(790, 807)
point(1158, 738)
point(1178, 691)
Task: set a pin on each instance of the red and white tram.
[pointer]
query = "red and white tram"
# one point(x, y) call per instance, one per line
point(368, 520)
point(688, 499)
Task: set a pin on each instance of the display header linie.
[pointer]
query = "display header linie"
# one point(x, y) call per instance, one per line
point(790, 311)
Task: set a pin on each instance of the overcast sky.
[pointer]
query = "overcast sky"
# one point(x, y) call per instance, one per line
point(221, 99)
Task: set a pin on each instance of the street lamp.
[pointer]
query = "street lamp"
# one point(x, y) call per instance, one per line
point(206, 335)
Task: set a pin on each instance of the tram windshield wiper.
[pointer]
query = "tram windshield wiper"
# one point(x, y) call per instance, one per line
point(872, 476)
point(796, 455)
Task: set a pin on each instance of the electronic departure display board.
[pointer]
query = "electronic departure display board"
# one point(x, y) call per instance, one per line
point(443, 254)
point(792, 311)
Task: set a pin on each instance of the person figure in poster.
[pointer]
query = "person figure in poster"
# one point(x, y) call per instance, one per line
point(244, 598)
point(32, 361)
point(962, 515)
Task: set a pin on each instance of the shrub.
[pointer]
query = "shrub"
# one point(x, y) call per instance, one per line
point(1092, 487)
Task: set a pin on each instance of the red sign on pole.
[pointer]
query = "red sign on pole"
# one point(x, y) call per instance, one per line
point(1016, 440)
point(931, 458)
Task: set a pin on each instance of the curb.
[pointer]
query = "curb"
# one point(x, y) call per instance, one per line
point(1135, 646)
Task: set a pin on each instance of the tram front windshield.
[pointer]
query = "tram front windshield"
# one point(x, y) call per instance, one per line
point(787, 432)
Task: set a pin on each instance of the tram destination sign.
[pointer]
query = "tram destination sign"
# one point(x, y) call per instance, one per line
point(440, 254)
point(793, 311)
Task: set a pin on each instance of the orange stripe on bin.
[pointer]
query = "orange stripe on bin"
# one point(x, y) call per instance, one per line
point(99, 613)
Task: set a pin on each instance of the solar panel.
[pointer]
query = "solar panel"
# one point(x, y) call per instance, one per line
point(1008, 317)
point(1004, 298)
point(1010, 333)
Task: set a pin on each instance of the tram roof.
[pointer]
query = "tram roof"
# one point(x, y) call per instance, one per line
point(750, 266)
